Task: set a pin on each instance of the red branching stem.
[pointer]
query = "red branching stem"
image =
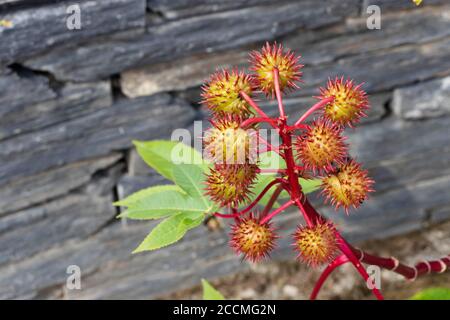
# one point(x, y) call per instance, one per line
point(295, 189)
point(345, 249)
point(290, 183)
point(299, 126)
point(259, 197)
point(272, 199)
point(269, 170)
point(288, 155)
point(315, 107)
point(306, 214)
point(337, 262)
point(276, 80)
point(343, 246)
point(409, 272)
point(277, 211)
point(253, 104)
point(226, 216)
point(236, 213)
point(270, 147)
point(254, 120)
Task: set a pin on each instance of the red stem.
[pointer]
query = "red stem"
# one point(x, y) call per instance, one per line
point(410, 273)
point(299, 126)
point(251, 121)
point(270, 147)
point(345, 249)
point(272, 200)
point(286, 138)
point(315, 107)
point(276, 80)
point(253, 104)
point(340, 260)
point(226, 216)
point(306, 214)
point(277, 211)
point(311, 216)
point(259, 197)
point(271, 171)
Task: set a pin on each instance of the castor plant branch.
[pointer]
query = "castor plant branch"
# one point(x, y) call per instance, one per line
point(311, 155)
point(277, 211)
point(337, 262)
point(251, 121)
point(253, 104)
point(272, 200)
point(319, 105)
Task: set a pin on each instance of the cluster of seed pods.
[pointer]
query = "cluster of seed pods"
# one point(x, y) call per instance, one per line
point(314, 149)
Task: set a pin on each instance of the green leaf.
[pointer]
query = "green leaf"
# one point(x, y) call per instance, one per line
point(169, 231)
point(209, 293)
point(164, 155)
point(164, 204)
point(144, 193)
point(190, 178)
point(433, 294)
point(310, 185)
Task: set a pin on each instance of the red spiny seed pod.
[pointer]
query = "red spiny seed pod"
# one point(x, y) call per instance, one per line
point(271, 57)
point(227, 143)
point(350, 101)
point(252, 239)
point(316, 245)
point(321, 145)
point(348, 186)
point(222, 93)
point(230, 184)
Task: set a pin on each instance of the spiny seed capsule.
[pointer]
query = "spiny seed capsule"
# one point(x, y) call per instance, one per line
point(320, 145)
point(316, 245)
point(350, 101)
point(227, 143)
point(230, 184)
point(222, 94)
point(348, 186)
point(271, 57)
point(253, 240)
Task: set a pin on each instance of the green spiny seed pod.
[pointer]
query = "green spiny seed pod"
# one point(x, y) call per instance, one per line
point(231, 184)
point(227, 143)
point(252, 239)
point(316, 245)
point(274, 57)
point(350, 101)
point(347, 186)
point(222, 94)
point(321, 145)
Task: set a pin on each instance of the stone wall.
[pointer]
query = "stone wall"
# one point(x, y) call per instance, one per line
point(71, 101)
